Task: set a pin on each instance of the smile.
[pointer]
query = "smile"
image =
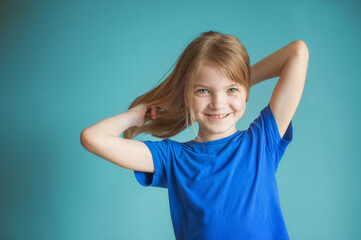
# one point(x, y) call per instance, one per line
point(219, 117)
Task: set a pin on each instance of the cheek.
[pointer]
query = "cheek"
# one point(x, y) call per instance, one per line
point(239, 105)
point(198, 105)
point(238, 108)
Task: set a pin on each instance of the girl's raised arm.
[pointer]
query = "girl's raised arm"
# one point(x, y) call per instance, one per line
point(103, 139)
point(290, 64)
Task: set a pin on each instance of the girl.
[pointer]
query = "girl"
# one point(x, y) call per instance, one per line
point(222, 184)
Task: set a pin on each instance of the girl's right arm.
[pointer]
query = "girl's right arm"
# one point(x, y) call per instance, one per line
point(103, 139)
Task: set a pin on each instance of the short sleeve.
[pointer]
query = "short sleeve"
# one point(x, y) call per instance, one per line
point(266, 124)
point(160, 152)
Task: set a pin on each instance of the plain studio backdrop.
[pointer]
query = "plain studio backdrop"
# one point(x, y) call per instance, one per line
point(65, 65)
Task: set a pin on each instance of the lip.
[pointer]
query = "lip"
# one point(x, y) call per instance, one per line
point(218, 119)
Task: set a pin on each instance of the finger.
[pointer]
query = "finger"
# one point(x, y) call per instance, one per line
point(154, 112)
point(158, 111)
point(146, 106)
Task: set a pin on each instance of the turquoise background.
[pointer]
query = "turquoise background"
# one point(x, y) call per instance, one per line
point(66, 65)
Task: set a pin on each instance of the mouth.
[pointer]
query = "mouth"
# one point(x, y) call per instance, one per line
point(218, 117)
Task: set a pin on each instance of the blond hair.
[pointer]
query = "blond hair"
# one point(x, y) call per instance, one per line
point(174, 95)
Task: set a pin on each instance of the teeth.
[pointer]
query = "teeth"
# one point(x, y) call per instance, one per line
point(221, 116)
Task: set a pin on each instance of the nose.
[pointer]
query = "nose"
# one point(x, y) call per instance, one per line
point(218, 101)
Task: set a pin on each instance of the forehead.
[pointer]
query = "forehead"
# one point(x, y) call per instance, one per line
point(210, 75)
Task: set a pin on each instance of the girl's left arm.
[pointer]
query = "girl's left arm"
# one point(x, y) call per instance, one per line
point(290, 64)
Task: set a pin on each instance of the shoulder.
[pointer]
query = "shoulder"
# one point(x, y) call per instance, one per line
point(265, 124)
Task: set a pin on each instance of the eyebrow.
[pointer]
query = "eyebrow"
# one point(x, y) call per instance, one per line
point(200, 85)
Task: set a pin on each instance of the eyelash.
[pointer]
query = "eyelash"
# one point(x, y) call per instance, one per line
point(228, 89)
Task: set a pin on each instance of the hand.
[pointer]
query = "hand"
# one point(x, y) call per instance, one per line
point(141, 110)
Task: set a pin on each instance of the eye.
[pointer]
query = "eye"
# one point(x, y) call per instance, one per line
point(201, 90)
point(234, 89)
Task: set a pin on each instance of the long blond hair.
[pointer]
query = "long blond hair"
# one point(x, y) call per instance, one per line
point(174, 95)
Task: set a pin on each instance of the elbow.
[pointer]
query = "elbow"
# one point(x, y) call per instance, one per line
point(300, 48)
point(85, 139)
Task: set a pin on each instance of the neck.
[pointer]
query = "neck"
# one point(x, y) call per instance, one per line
point(200, 139)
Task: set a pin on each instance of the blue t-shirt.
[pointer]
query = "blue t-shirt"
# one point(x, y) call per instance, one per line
point(223, 189)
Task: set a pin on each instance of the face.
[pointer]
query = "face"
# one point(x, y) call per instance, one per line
point(214, 94)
